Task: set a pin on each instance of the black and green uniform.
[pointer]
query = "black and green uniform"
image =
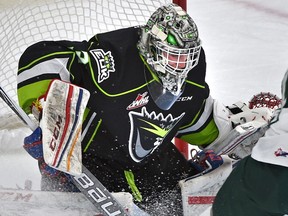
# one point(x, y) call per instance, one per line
point(127, 138)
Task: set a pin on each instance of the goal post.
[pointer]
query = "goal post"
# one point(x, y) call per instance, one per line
point(181, 3)
point(23, 23)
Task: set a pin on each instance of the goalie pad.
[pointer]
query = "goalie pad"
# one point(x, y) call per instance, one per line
point(61, 125)
point(199, 191)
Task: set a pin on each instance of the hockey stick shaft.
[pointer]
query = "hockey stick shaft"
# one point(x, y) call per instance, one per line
point(17, 110)
point(87, 183)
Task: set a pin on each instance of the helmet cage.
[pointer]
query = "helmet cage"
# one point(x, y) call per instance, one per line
point(173, 64)
point(175, 60)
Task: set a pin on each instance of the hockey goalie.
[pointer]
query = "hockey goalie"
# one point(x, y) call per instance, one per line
point(133, 91)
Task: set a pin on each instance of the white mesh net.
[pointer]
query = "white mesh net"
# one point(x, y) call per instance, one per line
point(23, 23)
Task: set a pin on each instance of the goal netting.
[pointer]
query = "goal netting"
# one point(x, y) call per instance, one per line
point(23, 23)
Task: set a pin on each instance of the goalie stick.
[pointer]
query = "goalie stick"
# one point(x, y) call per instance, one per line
point(17, 110)
point(86, 182)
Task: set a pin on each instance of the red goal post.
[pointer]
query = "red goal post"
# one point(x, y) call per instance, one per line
point(181, 3)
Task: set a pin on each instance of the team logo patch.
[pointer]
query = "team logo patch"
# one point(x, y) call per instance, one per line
point(141, 100)
point(105, 63)
point(280, 152)
point(148, 130)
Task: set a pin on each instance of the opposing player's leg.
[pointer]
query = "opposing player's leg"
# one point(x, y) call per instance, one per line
point(253, 189)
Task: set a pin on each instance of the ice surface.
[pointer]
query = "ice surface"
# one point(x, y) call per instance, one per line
point(16, 166)
point(246, 45)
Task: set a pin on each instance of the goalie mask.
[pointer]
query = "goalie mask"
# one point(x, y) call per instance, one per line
point(171, 46)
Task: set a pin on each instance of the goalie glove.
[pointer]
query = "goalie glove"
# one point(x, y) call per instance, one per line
point(240, 114)
point(206, 161)
point(33, 145)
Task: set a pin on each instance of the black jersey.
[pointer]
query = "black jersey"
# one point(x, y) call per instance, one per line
point(122, 122)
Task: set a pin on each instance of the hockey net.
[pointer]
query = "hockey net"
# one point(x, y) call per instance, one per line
point(23, 23)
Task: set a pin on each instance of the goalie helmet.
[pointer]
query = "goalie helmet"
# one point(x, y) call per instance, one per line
point(171, 46)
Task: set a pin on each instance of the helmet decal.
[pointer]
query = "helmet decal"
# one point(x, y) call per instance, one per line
point(171, 40)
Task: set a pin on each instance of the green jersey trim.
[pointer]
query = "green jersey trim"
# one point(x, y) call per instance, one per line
point(29, 93)
point(203, 137)
point(195, 117)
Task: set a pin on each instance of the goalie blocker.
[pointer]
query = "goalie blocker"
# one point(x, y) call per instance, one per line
point(61, 125)
point(90, 186)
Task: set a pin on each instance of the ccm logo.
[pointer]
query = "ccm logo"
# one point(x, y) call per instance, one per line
point(188, 98)
point(56, 132)
point(96, 193)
